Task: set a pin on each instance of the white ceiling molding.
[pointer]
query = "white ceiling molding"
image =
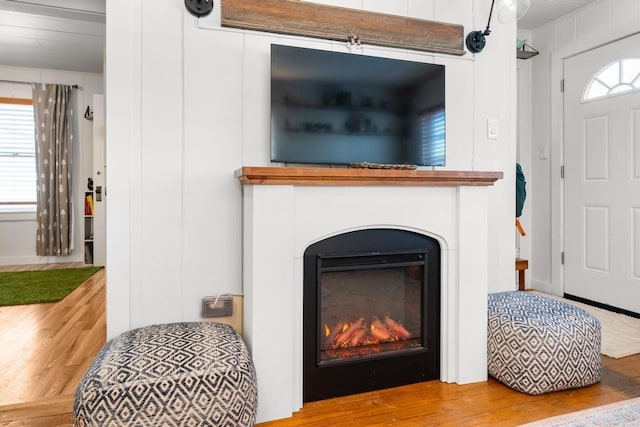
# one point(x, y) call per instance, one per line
point(83, 10)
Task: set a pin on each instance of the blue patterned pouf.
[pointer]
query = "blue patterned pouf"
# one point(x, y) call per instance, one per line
point(179, 374)
point(537, 344)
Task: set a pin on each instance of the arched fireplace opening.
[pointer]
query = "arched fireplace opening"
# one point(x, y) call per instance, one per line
point(371, 312)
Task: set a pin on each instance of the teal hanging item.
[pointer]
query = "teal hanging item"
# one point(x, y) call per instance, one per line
point(521, 191)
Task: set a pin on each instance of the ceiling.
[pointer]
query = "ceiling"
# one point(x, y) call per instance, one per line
point(56, 34)
point(542, 11)
point(70, 34)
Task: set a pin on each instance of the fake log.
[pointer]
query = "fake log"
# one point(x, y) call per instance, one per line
point(379, 330)
point(357, 337)
point(344, 334)
point(344, 337)
point(396, 328)
point(333, 332)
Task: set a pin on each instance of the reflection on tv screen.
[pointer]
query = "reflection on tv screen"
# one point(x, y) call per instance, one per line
point(342, 108)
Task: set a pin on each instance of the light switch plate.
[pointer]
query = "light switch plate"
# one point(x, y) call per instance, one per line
point(492, 128)
point(543, 152)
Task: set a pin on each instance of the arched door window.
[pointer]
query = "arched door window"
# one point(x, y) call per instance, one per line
point(620, 76)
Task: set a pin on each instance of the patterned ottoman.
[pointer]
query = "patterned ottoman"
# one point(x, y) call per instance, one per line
point(183, 374)
point(537, 344)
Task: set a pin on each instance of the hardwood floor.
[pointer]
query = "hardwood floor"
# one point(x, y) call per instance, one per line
point(55, 359)
point(488, 403)
point(431, 403)
point(50, 412)
point(47, 348)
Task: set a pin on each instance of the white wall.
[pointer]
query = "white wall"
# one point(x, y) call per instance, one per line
point(188, 103)
point(593, 25)
point(18, 230)
point(524, 153)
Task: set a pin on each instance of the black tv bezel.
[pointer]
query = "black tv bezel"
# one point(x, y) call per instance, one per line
point(310, 161)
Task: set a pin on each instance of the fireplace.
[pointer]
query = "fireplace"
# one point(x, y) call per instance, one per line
point(288, 210)
point(371, 312)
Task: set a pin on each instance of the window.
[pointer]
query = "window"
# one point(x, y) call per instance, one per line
point(17, 154)
point(617, 77)
point(432, 124)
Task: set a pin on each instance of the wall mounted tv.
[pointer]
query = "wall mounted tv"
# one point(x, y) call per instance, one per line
point(343, 108)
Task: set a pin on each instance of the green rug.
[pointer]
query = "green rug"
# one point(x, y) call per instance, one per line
point(34, 287)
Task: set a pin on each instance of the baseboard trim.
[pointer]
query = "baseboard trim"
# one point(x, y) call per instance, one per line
point(541, 286)
point(603, 306)
point(22, 260)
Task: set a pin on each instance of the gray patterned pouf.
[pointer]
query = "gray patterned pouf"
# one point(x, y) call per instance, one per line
point(179, 374)
point(537, 344)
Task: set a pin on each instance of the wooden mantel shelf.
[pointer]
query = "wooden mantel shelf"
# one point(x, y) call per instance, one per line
point(264, 175)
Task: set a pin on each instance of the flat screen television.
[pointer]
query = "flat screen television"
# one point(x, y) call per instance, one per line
point(343, 108)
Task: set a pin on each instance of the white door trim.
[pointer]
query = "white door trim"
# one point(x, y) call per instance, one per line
point(556, 113)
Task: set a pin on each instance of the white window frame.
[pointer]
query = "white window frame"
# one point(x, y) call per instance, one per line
point(621, 86)
point(18, 206)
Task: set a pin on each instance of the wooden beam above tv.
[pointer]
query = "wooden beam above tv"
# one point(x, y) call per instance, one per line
point(338, 23)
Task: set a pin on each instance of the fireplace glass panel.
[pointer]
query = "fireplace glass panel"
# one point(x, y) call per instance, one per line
point(362, 277)
point(370, 306)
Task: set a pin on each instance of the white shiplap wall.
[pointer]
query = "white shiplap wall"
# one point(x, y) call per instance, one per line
point(188, 103)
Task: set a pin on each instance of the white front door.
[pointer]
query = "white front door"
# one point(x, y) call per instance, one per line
point(602, 178)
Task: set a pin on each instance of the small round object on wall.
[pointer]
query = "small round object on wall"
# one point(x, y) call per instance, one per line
point(476, 41)
point(199, 7)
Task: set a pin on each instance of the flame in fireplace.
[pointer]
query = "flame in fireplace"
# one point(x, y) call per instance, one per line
point(361, 332)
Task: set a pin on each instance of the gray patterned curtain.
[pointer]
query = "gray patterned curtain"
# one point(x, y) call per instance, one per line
point(54, 135)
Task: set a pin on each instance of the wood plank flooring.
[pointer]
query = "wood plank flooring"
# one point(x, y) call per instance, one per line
point(45, 349)
point(55, 358)
point(431, 403)
point(488, 403)
point(49, 412)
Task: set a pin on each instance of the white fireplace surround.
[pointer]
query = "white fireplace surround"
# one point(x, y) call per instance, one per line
point(281, 220)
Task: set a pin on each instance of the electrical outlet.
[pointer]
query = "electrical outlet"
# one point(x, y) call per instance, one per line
point(220, 306)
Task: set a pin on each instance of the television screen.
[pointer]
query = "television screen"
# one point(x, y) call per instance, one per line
point(342, 108)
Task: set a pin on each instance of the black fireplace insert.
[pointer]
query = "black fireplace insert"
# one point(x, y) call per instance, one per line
point(371, 312)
